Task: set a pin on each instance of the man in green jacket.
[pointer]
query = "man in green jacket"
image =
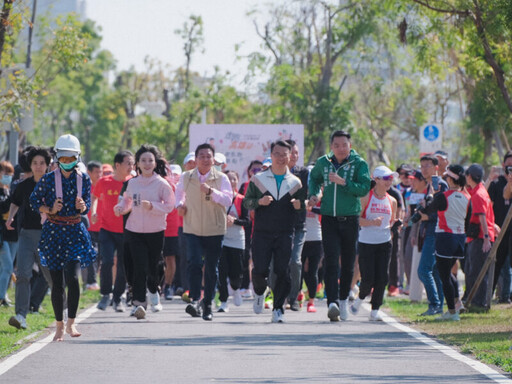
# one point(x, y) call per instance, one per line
point(344, 177)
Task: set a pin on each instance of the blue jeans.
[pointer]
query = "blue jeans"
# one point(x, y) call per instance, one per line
point(7, 256)
point(429, 275)
point(110, 242)
point(203, 250)
point(506, 274)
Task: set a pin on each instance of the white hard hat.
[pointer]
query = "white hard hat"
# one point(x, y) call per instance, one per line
point(67, 145)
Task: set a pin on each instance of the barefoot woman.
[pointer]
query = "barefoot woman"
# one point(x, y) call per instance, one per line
point(65, 245)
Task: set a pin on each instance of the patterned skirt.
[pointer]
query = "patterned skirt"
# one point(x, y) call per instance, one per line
point(61, 244)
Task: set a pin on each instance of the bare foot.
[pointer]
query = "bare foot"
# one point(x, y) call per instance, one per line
point(71, 328)
point(59, 333)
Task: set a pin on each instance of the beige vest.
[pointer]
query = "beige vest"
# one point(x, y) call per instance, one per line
point(204, 217)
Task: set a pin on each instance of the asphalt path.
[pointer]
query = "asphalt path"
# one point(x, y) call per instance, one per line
point(237, 347)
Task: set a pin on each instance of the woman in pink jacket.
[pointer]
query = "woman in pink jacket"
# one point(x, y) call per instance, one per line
point(148, 199)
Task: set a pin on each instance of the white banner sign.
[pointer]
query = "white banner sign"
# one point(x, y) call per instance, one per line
point(431, 138)
point(243, 143)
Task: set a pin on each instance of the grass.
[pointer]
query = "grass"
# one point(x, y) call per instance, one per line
point(486, 336)
point(12, 339)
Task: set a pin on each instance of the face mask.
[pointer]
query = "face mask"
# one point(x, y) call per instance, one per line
point(68, 167)
point(6, 179)
point(218, 167)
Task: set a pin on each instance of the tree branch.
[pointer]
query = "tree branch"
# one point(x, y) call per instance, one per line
point(426, 4)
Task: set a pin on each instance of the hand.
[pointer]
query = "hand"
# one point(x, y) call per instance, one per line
point(377, 222)
point(80, 204)
point(205, 188)
point(230, 221)
point(423, 217)
point(497, 229)
point(145, 204)
point(486, 247)
point(313, 200)
point(94, 218)
point(335, 178)
point(182, 210)
point(296, 203)
point(8, 225)
point(265, 200)
point(117, 210)
point(57, 206)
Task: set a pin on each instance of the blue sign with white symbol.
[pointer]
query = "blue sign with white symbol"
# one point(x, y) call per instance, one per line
point(431, 133)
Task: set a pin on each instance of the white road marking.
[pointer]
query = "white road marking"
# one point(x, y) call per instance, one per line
point(17, 358)
point(448, 351)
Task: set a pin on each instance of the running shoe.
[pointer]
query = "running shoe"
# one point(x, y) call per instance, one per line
point(375, 315)
point(258, 304)
point(207, 313)
point(168, 292)
point(194, 309)
point(393, 291)
point(447, 316)
point(354, 308)
point(431, 311)
point(185, 297)
point(18, 321)
point(139, 312)
point(223, 307)
point(246, 293)
point(104, 302)
point(277, 316)
point(343, 309)
point(333, 312)
point(311, 308)
point(154, 301)
point(237, 298)
point(353, 293)
point(295, 306)
point(118, 307)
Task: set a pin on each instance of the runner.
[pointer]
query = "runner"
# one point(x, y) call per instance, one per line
point(65, 246)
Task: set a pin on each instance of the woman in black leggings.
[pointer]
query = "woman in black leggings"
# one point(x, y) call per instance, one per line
point(451, 206)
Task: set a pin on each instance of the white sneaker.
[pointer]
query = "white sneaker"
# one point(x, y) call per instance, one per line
point(333, 313)
point(223, 307)
point(354, 308)
point(277, 316)
point(18, 321)
point(237, 298)
point(246, 293)
point(154, 300)
point(447, 316)
point(139, 312)
point(259, 302)
point(343, 309)
point(375, 315)
point(353, 293)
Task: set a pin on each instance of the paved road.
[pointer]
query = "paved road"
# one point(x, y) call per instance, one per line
point(238, 347)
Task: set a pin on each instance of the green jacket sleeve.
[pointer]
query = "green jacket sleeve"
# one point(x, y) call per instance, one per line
point(316, 179)
point(252, 196)
point(360, 186)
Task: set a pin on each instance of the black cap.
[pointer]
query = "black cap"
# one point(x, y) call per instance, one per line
point(476, 171)
point(418, 175)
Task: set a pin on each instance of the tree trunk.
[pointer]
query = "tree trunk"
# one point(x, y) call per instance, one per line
point(4, 23)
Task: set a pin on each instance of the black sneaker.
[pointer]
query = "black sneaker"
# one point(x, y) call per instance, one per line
point(295, 306)
point(207, 313)
point(168, 292)
point(193, 309)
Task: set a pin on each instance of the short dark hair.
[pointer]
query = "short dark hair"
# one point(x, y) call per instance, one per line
point(119, 157)
point(252, 163)
point(281, 143)
point(292, 143)
point(507, 155)
point(204, 146)
point(340, 134)
point(93, 164)
point(39, 151)
point(476, 171)
point(161, 164)
point(431, 158)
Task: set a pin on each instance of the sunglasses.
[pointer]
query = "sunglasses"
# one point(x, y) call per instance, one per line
point(255, 170)
point(386, 178)
point(404, 173)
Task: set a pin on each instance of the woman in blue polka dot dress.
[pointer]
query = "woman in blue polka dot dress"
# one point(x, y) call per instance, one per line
point(65, 246)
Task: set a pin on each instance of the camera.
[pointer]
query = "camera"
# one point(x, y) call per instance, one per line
point(419, 209)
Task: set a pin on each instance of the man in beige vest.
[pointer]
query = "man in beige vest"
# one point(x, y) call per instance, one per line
point(202, 195)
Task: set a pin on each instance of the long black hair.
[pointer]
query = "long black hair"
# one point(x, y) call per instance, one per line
point(161, 164)
point(459, 171)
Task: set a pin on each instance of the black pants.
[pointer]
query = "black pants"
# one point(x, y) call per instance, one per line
point(112, 243)
point(450, 283)
point(69, 276)
point(312, 253)
point(38, 288)
point(183, 261)
point(339, 237)
point(246, 275)
point(230, 265)
point(265, 248)
point(393, 262)
point(373, 264)
point(504, 251)
point(146, 250)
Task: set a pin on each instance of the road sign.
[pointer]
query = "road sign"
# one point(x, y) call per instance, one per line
point(431, 136)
